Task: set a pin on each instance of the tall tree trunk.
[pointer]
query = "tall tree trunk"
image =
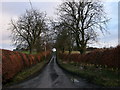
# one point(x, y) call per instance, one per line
point(31, 49)
point(81, 47)
point(78, 46)
point(63, 50)
point(70, 50)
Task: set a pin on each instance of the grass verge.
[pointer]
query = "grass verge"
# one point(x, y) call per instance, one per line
point(104, 77)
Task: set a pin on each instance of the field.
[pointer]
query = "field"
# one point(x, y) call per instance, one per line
point(27, 52)
point(75, 52)
point(66, 52)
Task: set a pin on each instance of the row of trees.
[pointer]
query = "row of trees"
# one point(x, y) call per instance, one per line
point(77, 25)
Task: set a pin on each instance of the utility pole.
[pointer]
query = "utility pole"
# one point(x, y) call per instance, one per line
point(45, 49)
point(31, 4)
point(45, 46)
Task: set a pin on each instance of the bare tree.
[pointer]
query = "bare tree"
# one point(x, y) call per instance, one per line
point(28, 28)
point(84, 19)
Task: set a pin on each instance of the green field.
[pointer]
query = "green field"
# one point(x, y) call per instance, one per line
point(72, 52)
point(27, 52)
point(75, 52)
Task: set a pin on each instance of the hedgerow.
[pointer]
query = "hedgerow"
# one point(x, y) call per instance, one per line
point(105, 57)
point(14, 62)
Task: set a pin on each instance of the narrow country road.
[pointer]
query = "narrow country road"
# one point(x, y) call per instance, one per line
point(51, 77)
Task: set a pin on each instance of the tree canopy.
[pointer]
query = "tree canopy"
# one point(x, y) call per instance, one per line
point(83, 19)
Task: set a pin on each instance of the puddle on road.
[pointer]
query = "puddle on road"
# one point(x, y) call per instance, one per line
point(74, 80)
point(81, 83)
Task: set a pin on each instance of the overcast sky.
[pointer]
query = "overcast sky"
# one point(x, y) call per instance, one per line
point(13, 9)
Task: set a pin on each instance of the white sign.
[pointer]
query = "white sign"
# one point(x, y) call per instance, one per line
point(54, 49)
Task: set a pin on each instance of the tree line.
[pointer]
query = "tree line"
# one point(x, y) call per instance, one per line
point(77, 25)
